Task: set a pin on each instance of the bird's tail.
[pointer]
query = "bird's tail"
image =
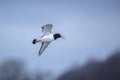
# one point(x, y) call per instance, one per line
point(34, 41)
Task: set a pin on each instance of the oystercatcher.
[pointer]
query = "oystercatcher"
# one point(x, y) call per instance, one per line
point(47, 37)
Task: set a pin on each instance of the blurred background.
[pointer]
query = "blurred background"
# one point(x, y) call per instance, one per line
point(91, 50)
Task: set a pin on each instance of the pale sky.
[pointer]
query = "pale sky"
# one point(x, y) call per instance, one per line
point(91, 28)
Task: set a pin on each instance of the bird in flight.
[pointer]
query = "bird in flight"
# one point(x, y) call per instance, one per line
point(47, 37)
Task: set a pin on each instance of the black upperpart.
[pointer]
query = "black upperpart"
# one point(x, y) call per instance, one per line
point(56, 36)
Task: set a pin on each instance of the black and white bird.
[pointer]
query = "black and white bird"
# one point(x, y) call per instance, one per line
point(47, 37)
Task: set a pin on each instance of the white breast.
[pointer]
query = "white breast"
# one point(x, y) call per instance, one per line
point(48, 37)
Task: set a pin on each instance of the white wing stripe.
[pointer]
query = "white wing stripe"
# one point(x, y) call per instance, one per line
point(46, 29)
point(43, 47)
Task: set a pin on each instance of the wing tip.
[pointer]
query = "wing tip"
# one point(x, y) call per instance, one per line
point(47, 25)
point(39, 53)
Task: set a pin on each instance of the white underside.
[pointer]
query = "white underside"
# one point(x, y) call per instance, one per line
point(48, 38)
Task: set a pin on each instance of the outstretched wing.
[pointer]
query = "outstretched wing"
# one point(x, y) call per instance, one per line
point(46, 29)
point(43, 47)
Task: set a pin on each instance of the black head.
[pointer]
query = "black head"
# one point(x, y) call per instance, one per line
point(56, 36)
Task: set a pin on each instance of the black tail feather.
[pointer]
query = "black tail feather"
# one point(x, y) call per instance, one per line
point(34, 41)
